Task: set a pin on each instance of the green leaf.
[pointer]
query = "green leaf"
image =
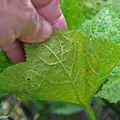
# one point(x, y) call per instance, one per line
point(108, 28)
point(105, 25)
point(73, 13)
point(91, 7)
point(69, 67)
point(4, 62)
point(116, 4)
point(111, 90)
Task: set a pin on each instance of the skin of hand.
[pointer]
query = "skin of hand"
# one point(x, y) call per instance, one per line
point(27, 21)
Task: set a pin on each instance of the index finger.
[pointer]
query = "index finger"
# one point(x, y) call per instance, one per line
point(50, 9)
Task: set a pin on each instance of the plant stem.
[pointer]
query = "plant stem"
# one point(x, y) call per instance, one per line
point(90, 113)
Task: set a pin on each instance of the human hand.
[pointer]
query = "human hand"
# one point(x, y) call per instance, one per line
point(20, 22)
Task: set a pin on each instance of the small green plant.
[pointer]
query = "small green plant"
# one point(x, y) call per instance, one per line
point(71, 66)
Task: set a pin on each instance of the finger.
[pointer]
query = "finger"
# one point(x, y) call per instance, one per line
point(50, 9)
point(41, 31)
point(15, 52)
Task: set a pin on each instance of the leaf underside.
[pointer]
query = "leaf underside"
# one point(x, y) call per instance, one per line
point(70, 72)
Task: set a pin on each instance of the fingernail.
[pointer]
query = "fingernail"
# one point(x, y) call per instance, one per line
point(59, 23)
